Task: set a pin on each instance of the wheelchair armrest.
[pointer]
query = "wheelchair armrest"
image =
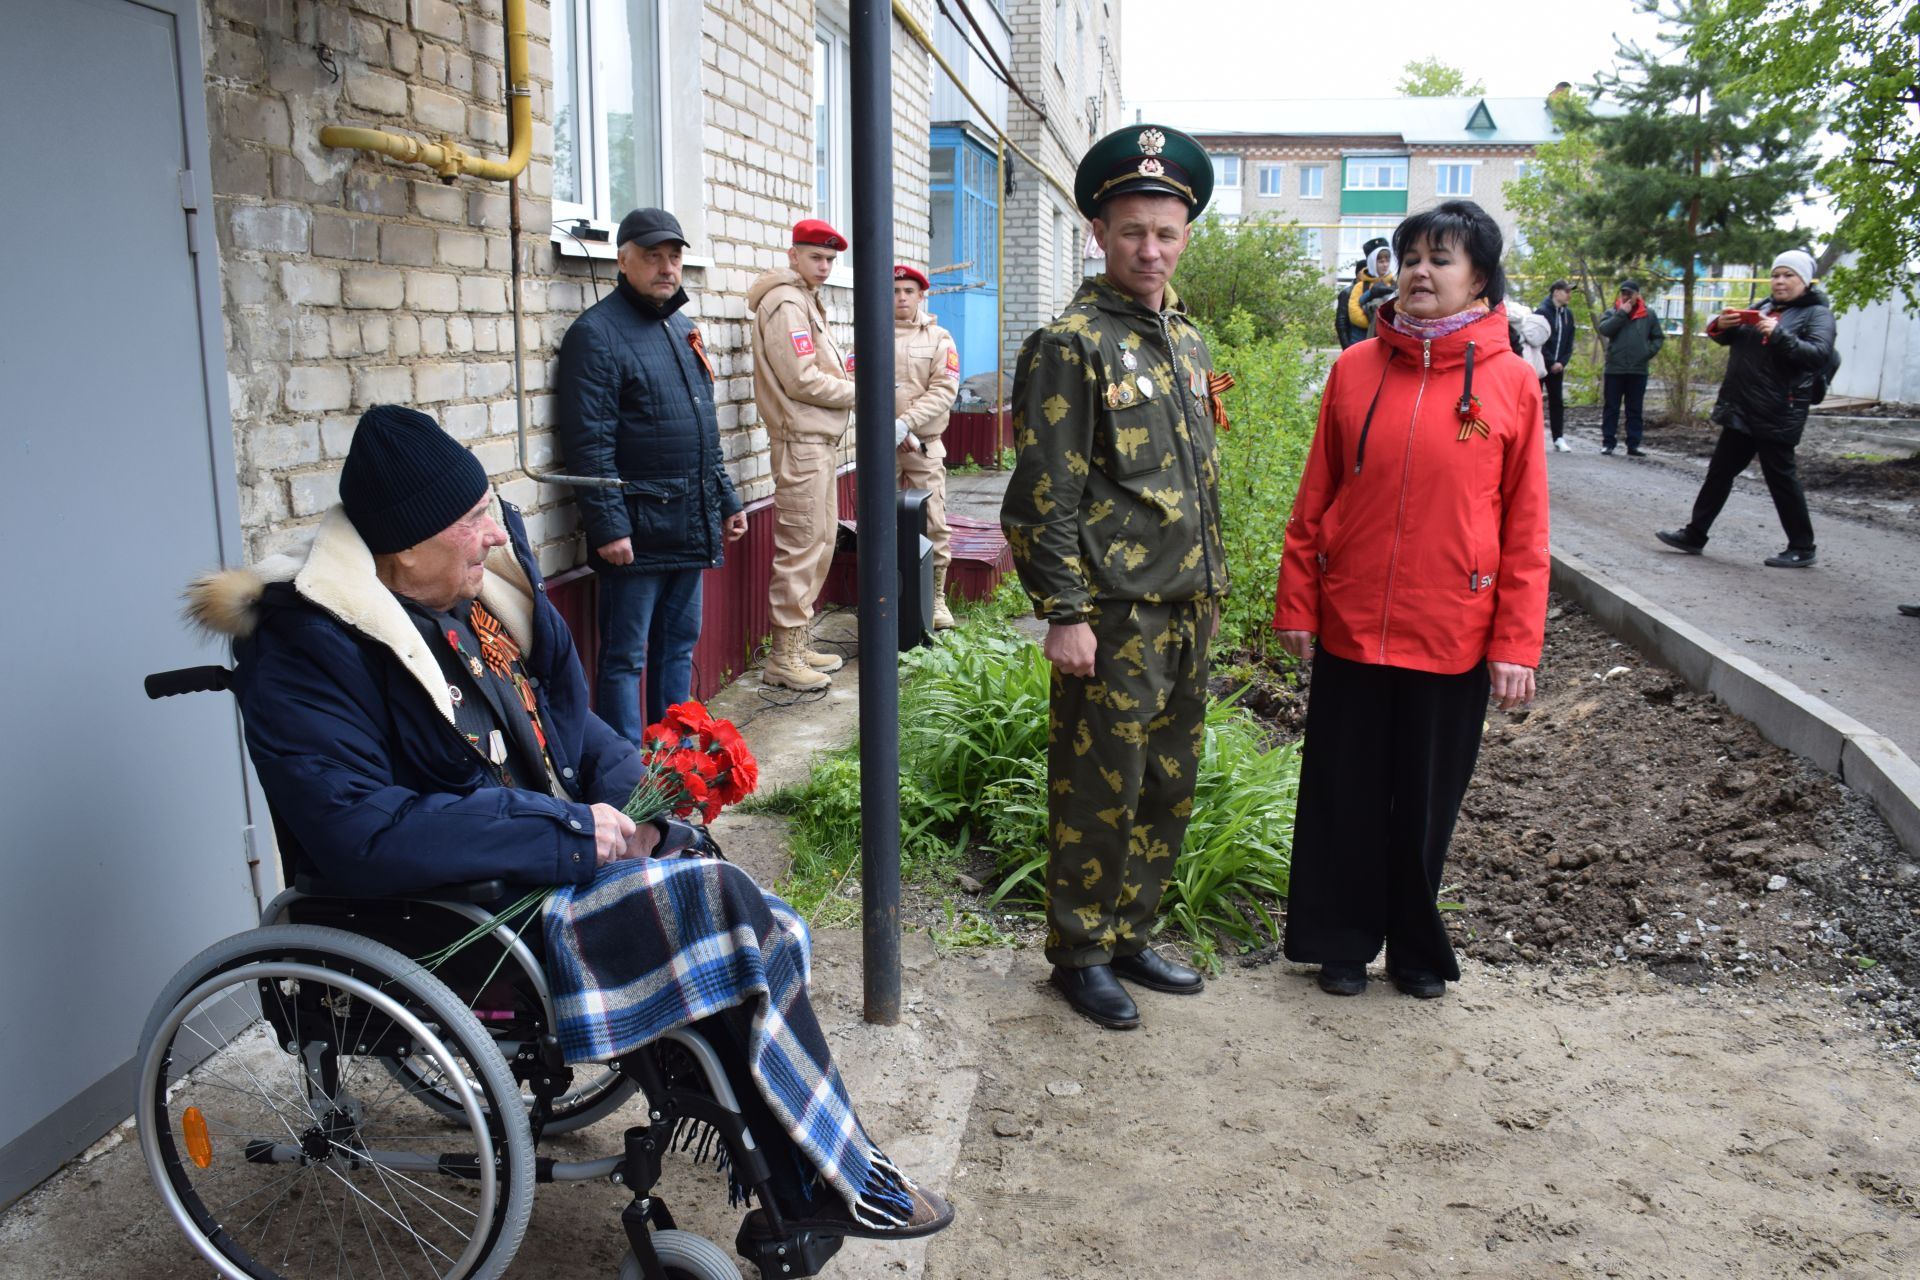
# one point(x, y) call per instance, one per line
point(470, 891)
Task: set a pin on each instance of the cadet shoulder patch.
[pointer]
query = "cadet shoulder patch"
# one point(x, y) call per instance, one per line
point(802, 342)
point(953, 363)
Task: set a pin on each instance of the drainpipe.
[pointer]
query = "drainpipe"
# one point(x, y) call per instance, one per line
point(449, 161)
point(871, 109)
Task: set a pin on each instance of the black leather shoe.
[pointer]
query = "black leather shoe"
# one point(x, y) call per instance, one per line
point(1343, 979)
point(1909, 610)
point(1095, 993)
point(1157, 973)
point(1679, 540)
point(1419, 985)
point(1791, 558)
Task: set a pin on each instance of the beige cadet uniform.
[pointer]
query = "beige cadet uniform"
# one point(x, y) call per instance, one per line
point(804, 394)
point(926, 378)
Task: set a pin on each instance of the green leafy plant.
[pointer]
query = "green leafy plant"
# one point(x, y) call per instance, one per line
point(967, 929)
point(1272, 407)
point(973, 715)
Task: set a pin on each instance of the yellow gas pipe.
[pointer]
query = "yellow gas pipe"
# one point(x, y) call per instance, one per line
point(445, 157)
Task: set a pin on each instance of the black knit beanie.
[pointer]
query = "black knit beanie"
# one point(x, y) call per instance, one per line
point(406, 479)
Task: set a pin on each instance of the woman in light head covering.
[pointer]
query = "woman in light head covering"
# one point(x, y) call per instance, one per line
point(1780, 356)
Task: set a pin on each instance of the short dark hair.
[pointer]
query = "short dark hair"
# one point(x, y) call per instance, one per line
point(1558, 285)
point(1467, 227)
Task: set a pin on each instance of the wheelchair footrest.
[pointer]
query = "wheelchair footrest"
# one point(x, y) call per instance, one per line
point(799, 1253)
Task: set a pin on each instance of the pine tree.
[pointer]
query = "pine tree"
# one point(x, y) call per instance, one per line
point(1857, 64)
point(1691, 168)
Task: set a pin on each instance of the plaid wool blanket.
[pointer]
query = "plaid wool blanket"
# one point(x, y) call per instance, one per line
point(655, 944)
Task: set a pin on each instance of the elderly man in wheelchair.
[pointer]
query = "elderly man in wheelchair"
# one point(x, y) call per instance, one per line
point(357, 1087)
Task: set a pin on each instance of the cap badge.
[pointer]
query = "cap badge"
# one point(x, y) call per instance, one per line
point(1152, 168)
point(1152, 143)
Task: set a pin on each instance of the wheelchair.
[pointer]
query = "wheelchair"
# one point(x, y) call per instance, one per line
point(313, 1098)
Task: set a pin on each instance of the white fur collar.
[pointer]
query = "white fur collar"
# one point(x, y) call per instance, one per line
point(338, 576)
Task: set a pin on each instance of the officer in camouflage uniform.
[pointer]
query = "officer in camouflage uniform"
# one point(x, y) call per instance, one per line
point(1112, 515)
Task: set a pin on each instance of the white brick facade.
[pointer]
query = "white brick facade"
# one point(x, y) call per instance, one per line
point(350, 279)
point(1066, 54)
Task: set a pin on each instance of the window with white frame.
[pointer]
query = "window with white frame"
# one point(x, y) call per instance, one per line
point(1453, 179)
point(1377, 173)
point(1226, 171)
point(832, 182)
point(1270, 180)
point(609, 149)
point(1313, 181)
point(1312, 247)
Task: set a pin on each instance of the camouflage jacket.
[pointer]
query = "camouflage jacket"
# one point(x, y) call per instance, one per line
point(1115, 495)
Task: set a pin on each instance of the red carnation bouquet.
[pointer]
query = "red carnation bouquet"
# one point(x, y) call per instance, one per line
point(694, 764)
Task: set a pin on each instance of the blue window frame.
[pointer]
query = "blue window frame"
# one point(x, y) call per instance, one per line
point(963, 206)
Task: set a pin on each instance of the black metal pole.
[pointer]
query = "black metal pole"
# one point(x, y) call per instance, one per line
point(872, 120)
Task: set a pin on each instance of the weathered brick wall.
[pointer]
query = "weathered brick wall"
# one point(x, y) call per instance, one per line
point(350, 279)
point(1044, 62)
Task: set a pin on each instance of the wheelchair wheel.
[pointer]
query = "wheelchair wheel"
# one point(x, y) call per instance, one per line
point(685, 1256)
point(283, 1147)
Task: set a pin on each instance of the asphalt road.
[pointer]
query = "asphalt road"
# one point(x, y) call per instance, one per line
point(1832, 628)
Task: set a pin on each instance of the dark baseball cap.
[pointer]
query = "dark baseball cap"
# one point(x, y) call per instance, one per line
point(649, 227)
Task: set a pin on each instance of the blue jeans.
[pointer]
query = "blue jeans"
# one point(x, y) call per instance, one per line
point(1631, 387)
point(650, 622)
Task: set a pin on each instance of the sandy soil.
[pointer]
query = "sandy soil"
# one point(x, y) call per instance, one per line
point(1665, 1059)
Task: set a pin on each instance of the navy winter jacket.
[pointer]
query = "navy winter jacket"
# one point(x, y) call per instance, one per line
point(370, 783)
point(634, 399)
point(1559, 348)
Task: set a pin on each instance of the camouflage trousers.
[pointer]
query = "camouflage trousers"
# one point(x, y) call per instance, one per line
point(1123, 746)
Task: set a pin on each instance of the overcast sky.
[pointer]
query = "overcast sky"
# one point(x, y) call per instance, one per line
point(1240, 49)
point(1236, 50)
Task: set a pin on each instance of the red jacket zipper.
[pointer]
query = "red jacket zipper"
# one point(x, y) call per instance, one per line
point(1400, 514)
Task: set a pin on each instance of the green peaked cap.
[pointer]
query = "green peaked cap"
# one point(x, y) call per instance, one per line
point(1144, 158)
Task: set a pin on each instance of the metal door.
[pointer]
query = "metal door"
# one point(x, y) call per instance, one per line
point(124, 845)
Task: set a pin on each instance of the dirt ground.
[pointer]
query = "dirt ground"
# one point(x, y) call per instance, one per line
point(1666, 1058)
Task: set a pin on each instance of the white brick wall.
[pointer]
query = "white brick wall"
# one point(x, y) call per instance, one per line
point(350, 279)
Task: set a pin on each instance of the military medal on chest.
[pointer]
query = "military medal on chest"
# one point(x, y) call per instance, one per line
point(1146, 386)
point(1128, 361)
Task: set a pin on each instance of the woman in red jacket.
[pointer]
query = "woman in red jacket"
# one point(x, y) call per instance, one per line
point(1417, 556)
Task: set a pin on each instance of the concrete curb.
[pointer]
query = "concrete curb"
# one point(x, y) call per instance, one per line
point(1785, 714)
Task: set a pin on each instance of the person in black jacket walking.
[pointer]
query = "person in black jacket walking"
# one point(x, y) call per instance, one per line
point(1776, 357)
point(1556, 354)
point(634, 399)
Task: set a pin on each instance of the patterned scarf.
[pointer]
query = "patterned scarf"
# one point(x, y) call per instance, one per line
point(1433, 330)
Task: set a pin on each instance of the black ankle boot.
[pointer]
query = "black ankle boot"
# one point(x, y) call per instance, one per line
point(1095, 993)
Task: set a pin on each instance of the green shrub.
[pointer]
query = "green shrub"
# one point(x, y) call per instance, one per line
point(973, 737)
point(1272, 407)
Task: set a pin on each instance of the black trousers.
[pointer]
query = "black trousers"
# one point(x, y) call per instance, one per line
point(1554, 387)
point(1617, 389)
point(1731, 454)
point(1387, 759)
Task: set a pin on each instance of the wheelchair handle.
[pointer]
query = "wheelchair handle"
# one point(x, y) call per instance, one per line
point(165, 684)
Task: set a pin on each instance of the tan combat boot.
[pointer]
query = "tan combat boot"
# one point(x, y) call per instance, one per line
point(786, 664)
point(813, 657)
point(942, 616)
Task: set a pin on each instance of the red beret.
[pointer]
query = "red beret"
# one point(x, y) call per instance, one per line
point(901, 271)
point(814, 231)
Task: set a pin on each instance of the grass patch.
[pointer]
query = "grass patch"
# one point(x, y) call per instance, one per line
point(973, 717)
